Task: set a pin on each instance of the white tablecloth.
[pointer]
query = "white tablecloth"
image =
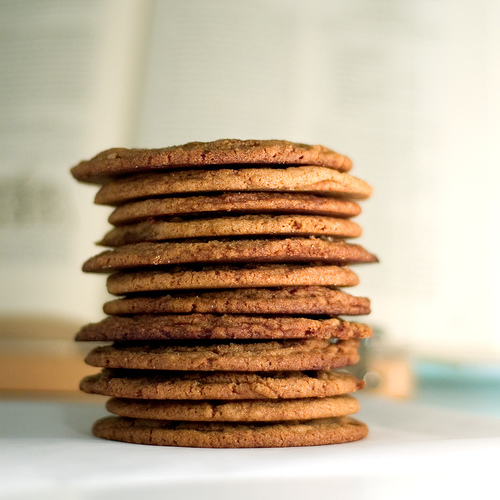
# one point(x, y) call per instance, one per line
point(47, 451)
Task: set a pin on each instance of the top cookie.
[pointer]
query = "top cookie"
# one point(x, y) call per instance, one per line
point(121, 161)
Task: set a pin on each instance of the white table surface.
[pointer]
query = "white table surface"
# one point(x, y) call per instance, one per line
point(412, 451)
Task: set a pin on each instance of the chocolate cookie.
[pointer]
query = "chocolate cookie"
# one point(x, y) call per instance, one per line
point(248, 276)
point(225, 435)
point(235, 226)
point(121, 161)
point(235, 411)
point(151, 254)
point(157, 384)
point(312, 300)
point(153, 327)
point(244, 203)
point(275, 355)
point(314, 180)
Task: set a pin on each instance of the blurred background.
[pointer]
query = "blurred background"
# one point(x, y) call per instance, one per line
point(408, 90)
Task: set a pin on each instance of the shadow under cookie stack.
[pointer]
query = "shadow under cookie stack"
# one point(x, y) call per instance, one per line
point(228, 260)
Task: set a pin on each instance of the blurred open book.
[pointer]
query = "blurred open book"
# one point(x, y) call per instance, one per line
point(407, 89)
point(68, 88)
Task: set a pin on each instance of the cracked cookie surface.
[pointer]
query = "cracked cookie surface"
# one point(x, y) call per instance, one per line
point(233, 226)
point(153, 327)
point(312, 180)
point(216, 277)
point(275, 355)
point(289, 250)
point(117, 162)
point(333, 430)
point(227, 203)
point(157, 384)
point(311, 300)
point(235, 411)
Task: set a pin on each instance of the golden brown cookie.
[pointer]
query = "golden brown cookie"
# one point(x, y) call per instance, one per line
point(334, 430)
point(313, 180)
point(121, 161)
point(226, 203)
point(234, 226)
point(311, 300)
point(247, 276)
point(228, 255)
point(152, 254)
point(275, 355)
point(153, 327)
point(235, 411)
point(157, 384)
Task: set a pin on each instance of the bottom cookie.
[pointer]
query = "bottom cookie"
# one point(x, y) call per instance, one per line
point(334, 430)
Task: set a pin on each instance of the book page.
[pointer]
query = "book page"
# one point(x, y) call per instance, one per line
point(68, 89)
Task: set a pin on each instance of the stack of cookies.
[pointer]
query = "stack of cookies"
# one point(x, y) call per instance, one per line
point(228, 260)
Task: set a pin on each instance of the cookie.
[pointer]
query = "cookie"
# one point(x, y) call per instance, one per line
point(275, 355)
point(228, 255)
point(239, 226)
point(333, 430)
point(157, 384)
point(121, 161)
point(247, 276)
point(294, 300)
point(152, 254)
point(153, 327)
point(313, 180)
point(262, 203)
point(235, 411)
